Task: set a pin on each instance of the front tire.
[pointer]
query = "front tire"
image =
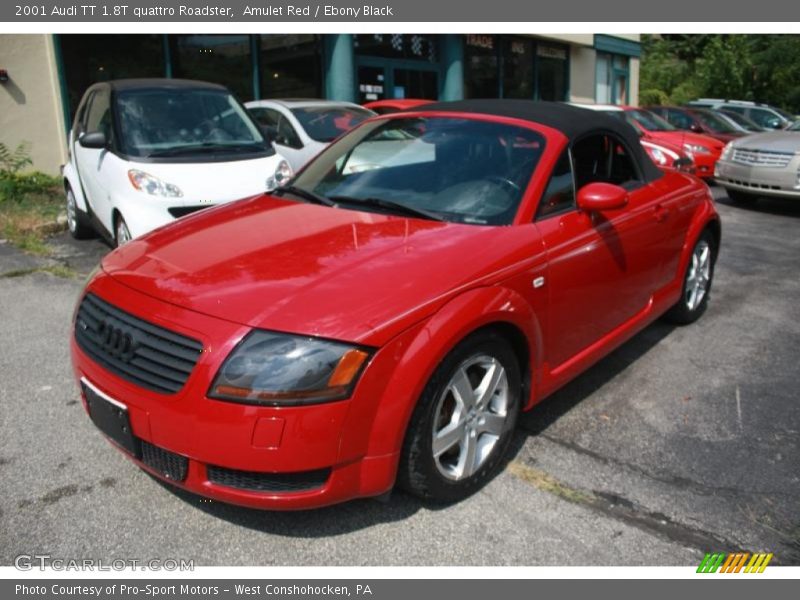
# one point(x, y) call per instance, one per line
point(464, 421)
point(696, 282)
point(77, 220)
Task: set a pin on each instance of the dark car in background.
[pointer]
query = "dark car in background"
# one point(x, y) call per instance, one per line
point(698, 120)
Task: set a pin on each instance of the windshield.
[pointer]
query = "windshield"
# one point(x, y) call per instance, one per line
point(741, 120)
point(714, 122)
point(460, 170)
point(326, 123)
point(784, 114)
point(649, 121)
point(182, 122)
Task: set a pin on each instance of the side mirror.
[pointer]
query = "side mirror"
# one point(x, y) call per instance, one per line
point(96, 140)
point(597, 197)
point(774, 124)
point(696, 128)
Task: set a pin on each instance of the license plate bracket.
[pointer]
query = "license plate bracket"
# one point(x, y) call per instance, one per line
point(111, 417)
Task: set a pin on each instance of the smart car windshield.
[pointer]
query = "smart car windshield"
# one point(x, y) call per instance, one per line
point(185, 122)
point(454, 169)
point(326, 123)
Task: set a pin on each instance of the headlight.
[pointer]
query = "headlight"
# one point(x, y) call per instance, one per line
point(277, 368)
point(658, 156)
point(144, 182)
point(283, 173)
point(696, 149)
point(726, 151)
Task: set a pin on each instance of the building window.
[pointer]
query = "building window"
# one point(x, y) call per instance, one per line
point(612, 78)
point(518, 71)
point(481, 67)
point(88, 59)
point(291, 66)
point(398, 46)
point(552, 66)
point(223, 59)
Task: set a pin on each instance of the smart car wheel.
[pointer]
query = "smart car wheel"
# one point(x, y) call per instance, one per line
point(696, 282)
point(463, 423)
point(77, 220)
point(121, 233)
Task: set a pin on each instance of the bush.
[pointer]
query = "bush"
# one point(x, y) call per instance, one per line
point(653, 97)
point(16, 186)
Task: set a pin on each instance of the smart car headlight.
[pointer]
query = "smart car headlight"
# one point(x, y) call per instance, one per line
point(150, 184)
point(283, 173)
point(283, 369)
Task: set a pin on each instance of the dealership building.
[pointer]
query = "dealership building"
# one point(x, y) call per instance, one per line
point(46, 75)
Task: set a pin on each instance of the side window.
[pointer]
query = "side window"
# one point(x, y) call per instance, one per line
point(680, 120)
point(287, 134)
point(99, 116)
point(737, 109)
point(279, 130)
point(603, 158)
point(559, 196)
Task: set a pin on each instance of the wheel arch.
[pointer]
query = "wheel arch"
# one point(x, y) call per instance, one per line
point(491, 308)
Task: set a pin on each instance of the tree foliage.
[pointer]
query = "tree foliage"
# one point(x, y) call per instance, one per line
point(762, 68)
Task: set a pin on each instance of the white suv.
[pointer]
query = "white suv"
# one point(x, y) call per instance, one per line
point(762, 115)
point(143, 152)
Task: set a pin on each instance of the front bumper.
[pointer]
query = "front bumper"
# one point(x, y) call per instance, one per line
point(226, 446)
point(760, 180)
point(704, 165)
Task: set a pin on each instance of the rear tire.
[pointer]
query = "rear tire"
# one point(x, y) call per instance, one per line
point(78, 221)
point(697, 281)
point(463, 423)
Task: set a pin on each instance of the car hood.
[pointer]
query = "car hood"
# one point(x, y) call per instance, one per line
point(214, 182)
point(687, 137)
point(774, 141)
point(314, 270)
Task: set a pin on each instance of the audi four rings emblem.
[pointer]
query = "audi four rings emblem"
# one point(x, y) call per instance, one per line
point(117, 339)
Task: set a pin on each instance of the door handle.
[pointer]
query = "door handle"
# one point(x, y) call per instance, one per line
point(661, 213)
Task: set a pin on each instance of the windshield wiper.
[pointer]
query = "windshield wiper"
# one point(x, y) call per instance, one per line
point(304, 194)
point(389, 205)
point(205, 148)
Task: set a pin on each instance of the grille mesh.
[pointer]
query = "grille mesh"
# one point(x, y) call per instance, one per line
point(170, 465)
point(762, 158)
point(145, 354)
point(268, 482)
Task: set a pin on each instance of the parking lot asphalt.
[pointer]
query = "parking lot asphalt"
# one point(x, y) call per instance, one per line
point(684, 440)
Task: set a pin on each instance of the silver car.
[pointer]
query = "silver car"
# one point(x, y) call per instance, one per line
point(764, 164)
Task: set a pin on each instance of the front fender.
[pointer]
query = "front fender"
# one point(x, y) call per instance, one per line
point(71, 179)
point(379, 427)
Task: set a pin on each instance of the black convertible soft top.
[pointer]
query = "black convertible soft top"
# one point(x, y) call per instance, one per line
point(573, 121)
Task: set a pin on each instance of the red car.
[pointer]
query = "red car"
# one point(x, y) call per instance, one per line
point(393, 105)
point(698, 120)
point(704, 150)
point(365, 326)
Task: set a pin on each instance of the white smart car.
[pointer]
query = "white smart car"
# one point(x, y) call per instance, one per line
point(301, 129)
point(143, 152)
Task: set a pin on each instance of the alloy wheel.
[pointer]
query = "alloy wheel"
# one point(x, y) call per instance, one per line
point(698, 275)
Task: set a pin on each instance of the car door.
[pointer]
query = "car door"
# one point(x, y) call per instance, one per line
point(602, 267)
point(93, 163)
point(282, 135)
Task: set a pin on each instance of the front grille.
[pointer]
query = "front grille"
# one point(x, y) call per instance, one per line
point(762, 158)
point(170, 465)
point(143, 353)
point(268, 482)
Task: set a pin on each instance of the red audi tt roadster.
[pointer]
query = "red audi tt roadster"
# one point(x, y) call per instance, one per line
point(384, 317)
